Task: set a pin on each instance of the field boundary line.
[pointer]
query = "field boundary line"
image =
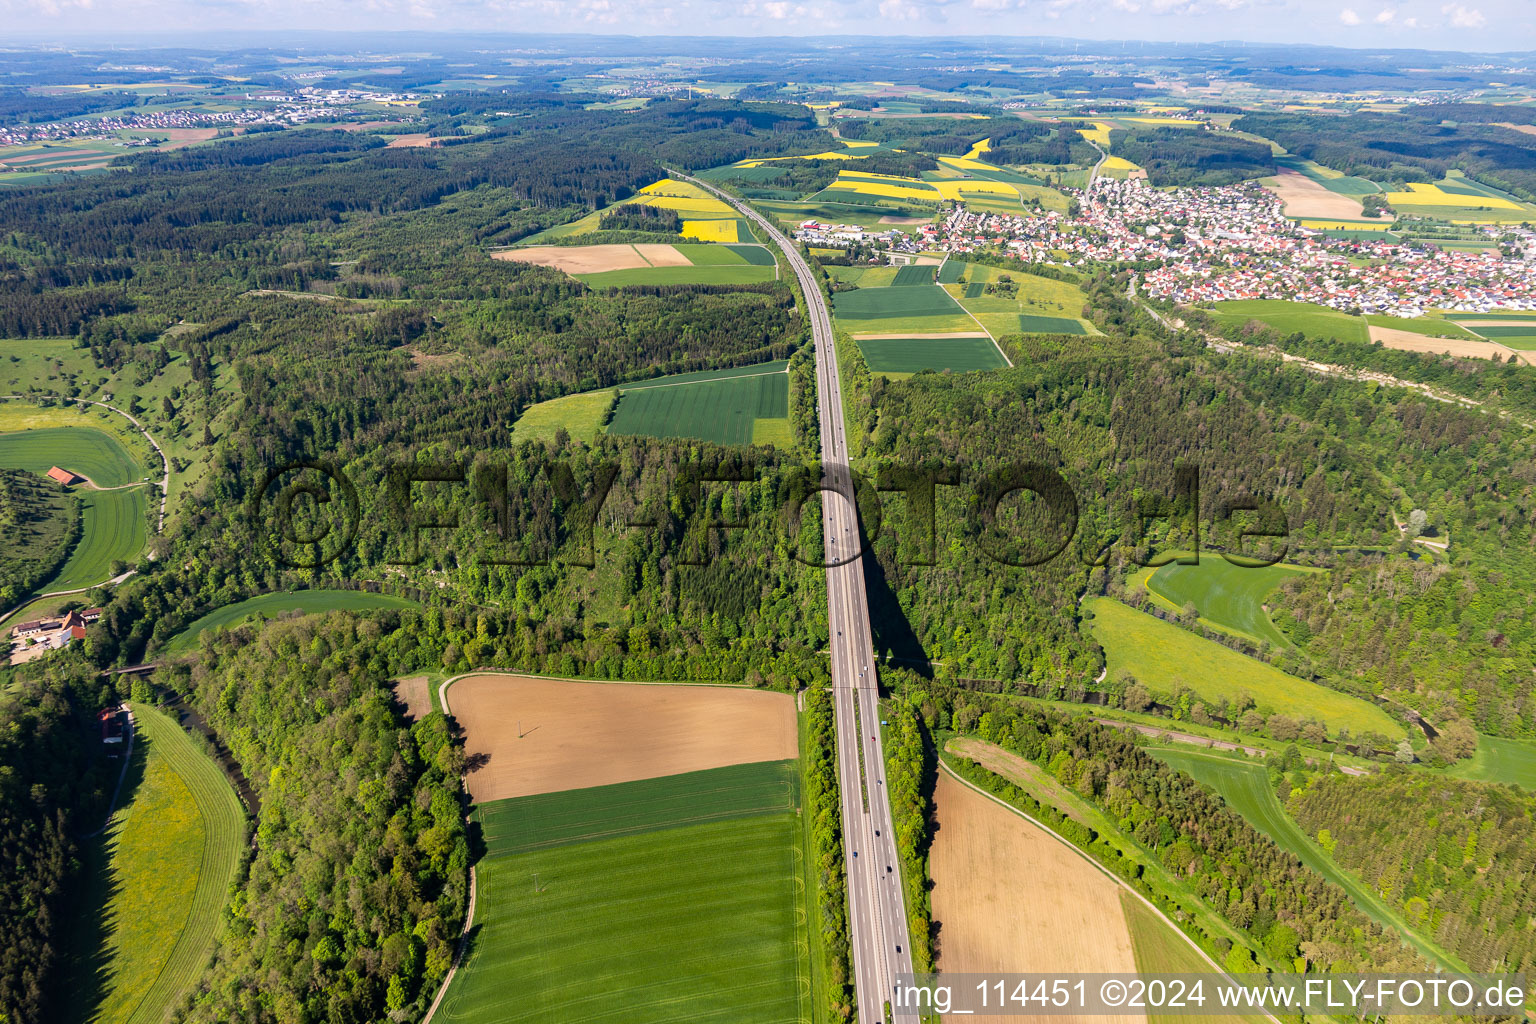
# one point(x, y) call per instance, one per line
point(983, 326)
point(707, 380)
point(458, 953)
point(1102, 870)
point(442, 689)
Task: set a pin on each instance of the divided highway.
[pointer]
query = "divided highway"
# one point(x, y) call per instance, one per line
point(877, 917)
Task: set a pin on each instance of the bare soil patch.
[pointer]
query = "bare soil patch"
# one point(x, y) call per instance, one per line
point(905, 220)
point(414, 693)
point(922, 337)
point(180, 137)
point(582, 259)
point(578, 734)
point(1304, 197)
point(1528, 129)
point(1408, 341)
point(412, 141)
point(661, 254)
point(1011, 897)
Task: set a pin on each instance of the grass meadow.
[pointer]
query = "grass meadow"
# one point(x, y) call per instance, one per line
point(1290, 317)
point(581, 415)
point(681, 896)
point(1041, 305)
point(112, 529)
point(1501, 760)
point(1229, 597)
point(165, 866)
point(84, 450)
point(1245, 788)
point(271, 605)
point(1160, 949)
point(1165, 658)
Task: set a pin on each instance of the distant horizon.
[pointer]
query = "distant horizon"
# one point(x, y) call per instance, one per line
point(1501, 28)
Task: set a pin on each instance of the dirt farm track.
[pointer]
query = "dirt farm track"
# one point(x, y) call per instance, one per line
point(579, 734)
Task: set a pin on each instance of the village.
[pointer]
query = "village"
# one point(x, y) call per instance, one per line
point(1196, 245)
point(296, 107)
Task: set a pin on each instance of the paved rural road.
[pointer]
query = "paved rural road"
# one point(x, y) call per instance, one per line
point(878, 919)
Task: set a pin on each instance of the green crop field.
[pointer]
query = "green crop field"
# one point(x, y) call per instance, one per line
point(1246, 790)
point(706, 274)
point(881, 303)
point(1165, 658)
point(722, 406)
point(1290, 317)
point(951, 271)
point(909, 276)
point(756, 255)
point(1514, 316)
point(169, 857)
point(271, 605)
point(910, 355)
point(1049, 325)
point(864, 277)
point(1427, 325)
point(1501, 760)
point(83, 450)
point(1160, 949)
point(1332, 180)
point(689, 921)
point(524, 824)
point(1502, 331)
point(1228, 597)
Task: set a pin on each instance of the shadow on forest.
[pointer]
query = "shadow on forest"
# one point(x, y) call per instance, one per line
point(87, 959)
point(891, 633)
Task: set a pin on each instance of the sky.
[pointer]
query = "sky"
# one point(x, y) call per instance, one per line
point(1472, 25)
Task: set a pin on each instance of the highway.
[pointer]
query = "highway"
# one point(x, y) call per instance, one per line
point(877, 916)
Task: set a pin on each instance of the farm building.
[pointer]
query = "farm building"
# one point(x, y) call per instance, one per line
point(63, 476)
point(111, 721)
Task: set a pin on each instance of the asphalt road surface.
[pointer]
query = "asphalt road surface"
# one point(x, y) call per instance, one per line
point(877, 918)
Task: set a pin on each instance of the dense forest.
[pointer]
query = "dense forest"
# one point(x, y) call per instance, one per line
point(1384, 147)
point(1191, 156)
point(53, 790)
point(359, 884)
point(1454, 858)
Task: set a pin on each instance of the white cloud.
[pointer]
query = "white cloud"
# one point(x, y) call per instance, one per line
point(1349, 17)
point(899, 10)
point(1463, 16)
point(1385, 16)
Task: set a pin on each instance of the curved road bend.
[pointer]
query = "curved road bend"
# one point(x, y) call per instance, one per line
point(877, 918)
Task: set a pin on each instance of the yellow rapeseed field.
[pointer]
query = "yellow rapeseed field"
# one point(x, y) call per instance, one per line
point(1099, 133)
point(673, 187)
point(1342, 225)
point(807, 156)
point(710, 230)
point(1116, 163)
point(981, 147)
point(704, 208)
point(1420, 194)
